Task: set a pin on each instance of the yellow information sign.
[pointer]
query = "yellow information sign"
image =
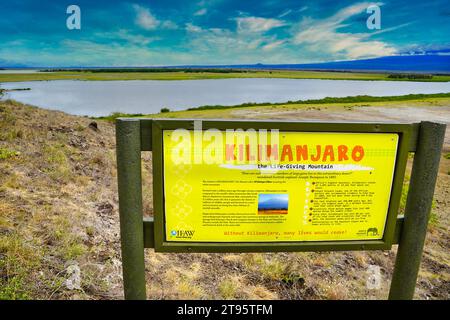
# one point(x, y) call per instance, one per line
point(295, 186)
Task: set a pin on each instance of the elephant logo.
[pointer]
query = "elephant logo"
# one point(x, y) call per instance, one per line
point(372, 232)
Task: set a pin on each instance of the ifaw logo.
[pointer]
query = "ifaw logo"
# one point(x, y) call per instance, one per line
point(182, 234)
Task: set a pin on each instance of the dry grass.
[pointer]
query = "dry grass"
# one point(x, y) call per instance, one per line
point(54, 205)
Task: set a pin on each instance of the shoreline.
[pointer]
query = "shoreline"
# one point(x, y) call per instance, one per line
point(208, 75)
point(349, 101)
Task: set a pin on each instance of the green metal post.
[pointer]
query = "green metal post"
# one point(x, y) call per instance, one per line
point(130, 207)
point(417, 211)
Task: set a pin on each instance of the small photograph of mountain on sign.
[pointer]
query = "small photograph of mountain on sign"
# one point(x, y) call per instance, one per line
point(273, 203)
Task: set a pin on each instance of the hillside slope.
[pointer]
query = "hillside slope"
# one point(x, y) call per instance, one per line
point(58, 215)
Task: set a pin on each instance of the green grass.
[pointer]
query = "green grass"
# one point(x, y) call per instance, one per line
point(14, 290)
point(6, 153)
point(57, 162)
point(186, 75)
point(347, 101)
point(113, 116)
point(19, 258)
point(433, 218)
point(355, 99)
point(153, 70)
point(228, 289)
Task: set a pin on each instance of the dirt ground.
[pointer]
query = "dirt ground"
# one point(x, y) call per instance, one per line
point(399, 113)
point(59, 208)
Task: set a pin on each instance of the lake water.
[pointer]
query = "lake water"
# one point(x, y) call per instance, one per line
point(98, 98)
point(19, 71)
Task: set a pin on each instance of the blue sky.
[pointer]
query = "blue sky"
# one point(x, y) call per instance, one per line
point(150, 32)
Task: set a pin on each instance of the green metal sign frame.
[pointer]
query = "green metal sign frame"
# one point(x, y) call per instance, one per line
point(135, 135)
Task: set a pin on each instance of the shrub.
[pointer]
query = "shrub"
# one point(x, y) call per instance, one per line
point(6, 153)
point(409, 76)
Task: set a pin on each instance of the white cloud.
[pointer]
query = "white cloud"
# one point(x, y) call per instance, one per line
point(285, 13)
point(324, 36)
point(126, 35)
point(257, 24)
point(147, 21)
point(192, 28)
point(254, 44)
point(349, 11)
point(248, 43)
point(169, 25)
point(289, 11)
point(272, 45)
point(304, 8)
point(144, 18)
point(310, 39)
point(225, 46)
point(89, 53)
point(201, 12)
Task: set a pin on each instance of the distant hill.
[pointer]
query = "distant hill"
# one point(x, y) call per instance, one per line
point(427, 63)
point(274, 204)
point(406, 63)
